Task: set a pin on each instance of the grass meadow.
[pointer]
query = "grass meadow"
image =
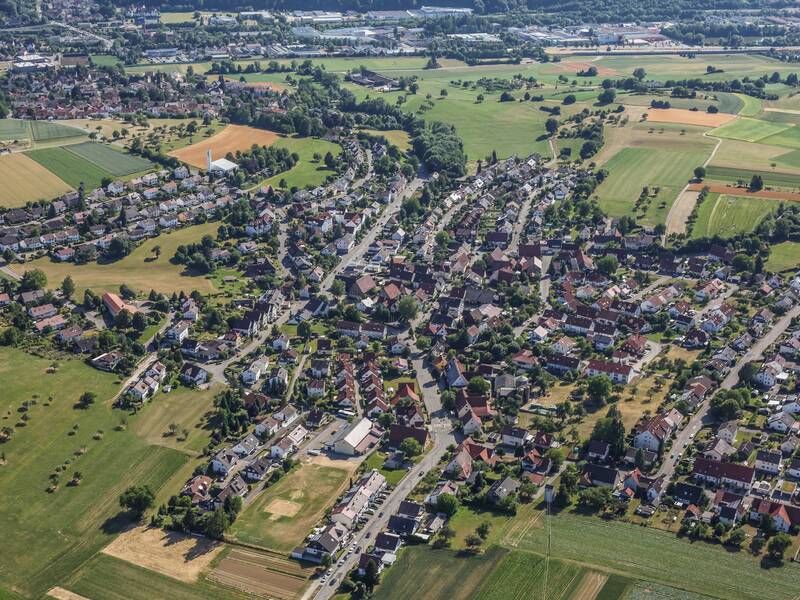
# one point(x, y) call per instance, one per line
point(633, 168)
point(47, 536)
point(307, 171)
point(784, 257)
point(653, 555)
point(726, 216)
point(140, 269)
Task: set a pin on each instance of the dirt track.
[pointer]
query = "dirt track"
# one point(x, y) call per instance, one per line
point(721, 188)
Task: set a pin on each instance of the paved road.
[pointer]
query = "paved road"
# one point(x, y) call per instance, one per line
point(519, 225)
point(731, 379)
point(358, 251)
point(107, 43)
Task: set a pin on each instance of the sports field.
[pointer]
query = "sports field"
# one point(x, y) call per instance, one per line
point(230, 139)
point(140, 269)
point(726, 216)
point(70, 167)
point(114, 161)
point(75, 521)
point(25, 180)
point(282, 516)
point(631, 169)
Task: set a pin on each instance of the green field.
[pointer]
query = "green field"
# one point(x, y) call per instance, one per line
point(726, 216)
point(440, 573)
point(307, 492)
point(633, 168)
point(14, 129)
point(104, 60)
point(659, 556)
point(750, 106)
point(788, 138)
point(748, 130)
point(110, 159)
point(784, 257)
point(114, 579)
point(47, 536)
point(70, 167)
point(771, 179)
point(520, 575)
point(615, 588)
point(44, 131)
point(140, 269)
point(306, 171)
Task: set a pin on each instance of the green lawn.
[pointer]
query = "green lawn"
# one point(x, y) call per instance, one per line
point(114, 579)
point(47, 536)
point(70, 167)
point(659, 556)
point(633, 168)
point(104, 60)
point(376, 460)
point(467, 520)
point(110, 159)
point(749, 130)
point(784, 257)
point(726, 216)
point(283, 515)
point(140, 269)
point(306, 171)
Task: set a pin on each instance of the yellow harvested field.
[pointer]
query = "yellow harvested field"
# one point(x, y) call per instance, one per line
point(176, 555)
point(230, 139)
point(688, 117)
point(62, 594)
point(24, 180)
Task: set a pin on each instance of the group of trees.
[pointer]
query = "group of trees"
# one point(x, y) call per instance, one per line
point(440, 149)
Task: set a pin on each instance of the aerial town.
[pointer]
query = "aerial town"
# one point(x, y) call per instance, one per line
point(383, 300)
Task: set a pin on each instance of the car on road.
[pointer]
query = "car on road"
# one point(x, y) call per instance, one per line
point(380, 514)
point(333, 582)
point(368, 535)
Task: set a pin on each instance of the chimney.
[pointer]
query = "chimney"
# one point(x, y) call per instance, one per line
point(208, 159)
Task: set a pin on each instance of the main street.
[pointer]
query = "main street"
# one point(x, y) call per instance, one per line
point(698, 419)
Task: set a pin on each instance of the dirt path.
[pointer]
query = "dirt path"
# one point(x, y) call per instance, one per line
point(590, 586)
point(721, 188)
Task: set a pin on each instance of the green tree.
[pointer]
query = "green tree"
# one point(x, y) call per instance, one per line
point(607, 96)
point(87, 399)
point(778, 546)
point(551, 125)
point(599, 389)
point(410, 447)
point(67, 287)
point(407, 308)
point(756, 183)
point(607, 265)
point(123, 319)
point(137, 499)
point(478, 385)
point(337, 287)
point(33, 280)
point(639, 73)
point(139, 321)
point(699, 173)
point(304, 330)
point(217, 524)
point(447, 504)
